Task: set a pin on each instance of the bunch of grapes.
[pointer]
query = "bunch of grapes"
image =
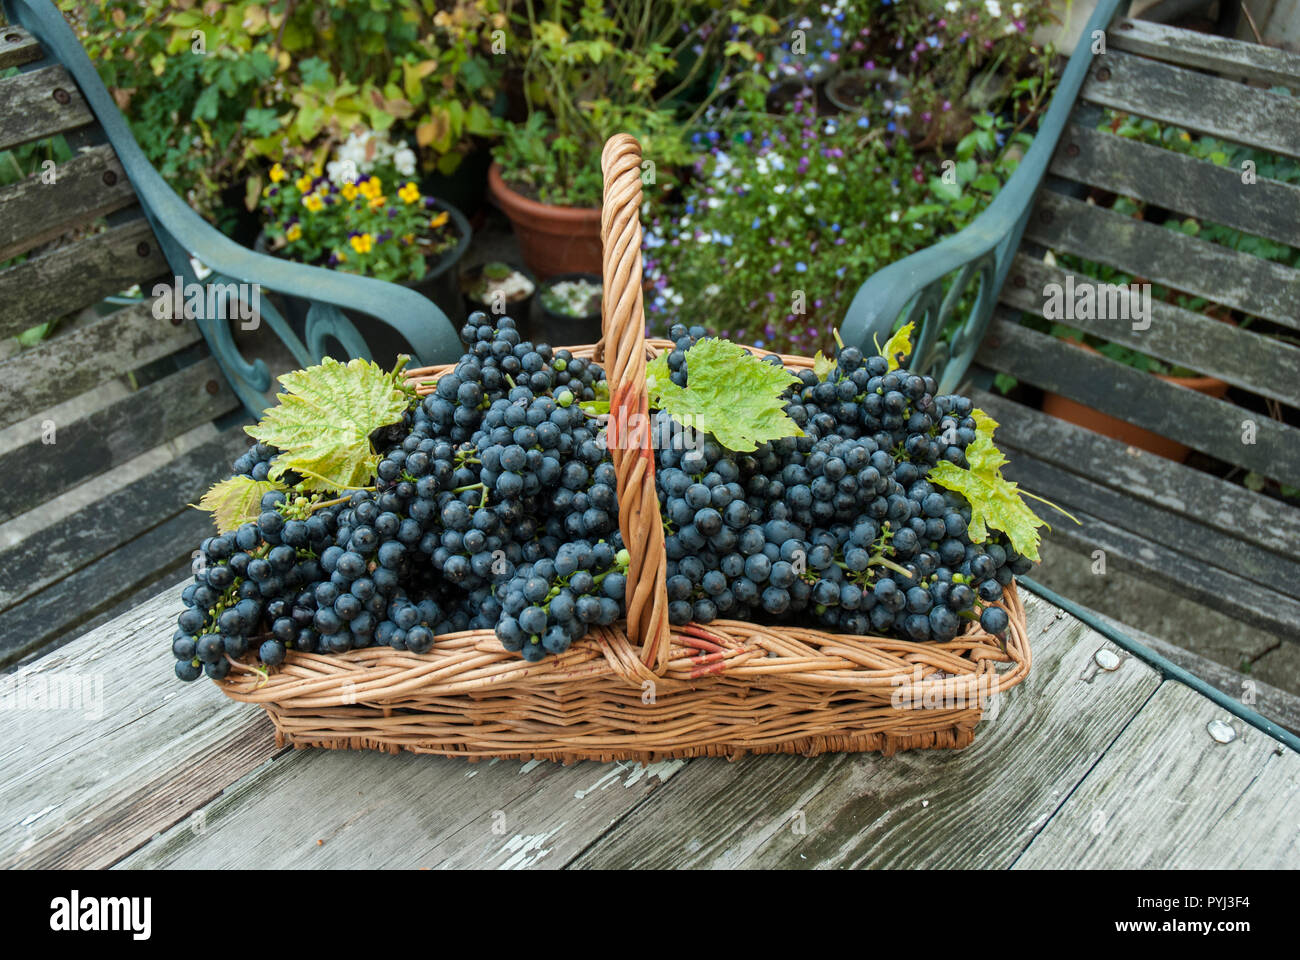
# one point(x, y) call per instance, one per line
point(495, 507)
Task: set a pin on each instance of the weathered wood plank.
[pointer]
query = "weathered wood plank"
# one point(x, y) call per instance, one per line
point(17, 47)
point(32, 212)
point(1246, 359)
point(135, 754)
point(87, 593)
point(1181, 533)
point(1219, 504)
point(105, 525)
point(379, 811)
point(1176, 181)
point(64, 280)
point(1195, 101)
point(38, 104)
point(1194, 419)
point(1168, 796)
point(79, 360)
point(923, 808)
point(1257, 287)
point(1206, 51)
point(34, 471)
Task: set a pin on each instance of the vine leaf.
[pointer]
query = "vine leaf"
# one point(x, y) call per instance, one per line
point(323, 422)
point(235, 501)
point(822, 365)
point(994, 500)
point(730, 394)
point(898, 347)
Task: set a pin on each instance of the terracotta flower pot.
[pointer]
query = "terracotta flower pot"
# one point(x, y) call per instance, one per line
point(1063, 408)
point(553, 239)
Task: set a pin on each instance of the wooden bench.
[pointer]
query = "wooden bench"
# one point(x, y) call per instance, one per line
point(1187, 529)
point(112, 425)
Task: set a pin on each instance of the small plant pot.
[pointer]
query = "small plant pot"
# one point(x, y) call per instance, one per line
point(553, 239)
point(518, 309)
point(438, 284)
point(558, 327)
point(1071, 411)
point(862, 91)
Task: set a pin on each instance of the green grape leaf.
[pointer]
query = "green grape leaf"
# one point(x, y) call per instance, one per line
point(823, 365)
point(323, 422)
point(730, 394)
point(594, 408)
point(899, 347)
point(235, 501)
point(994, 500)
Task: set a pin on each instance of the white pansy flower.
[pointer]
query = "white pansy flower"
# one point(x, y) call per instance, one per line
point(893, 217)
point(779, 188)
point(832, 169)
point(993, 8)
point(952, 6)
point(1017, 9)
point(404, 161)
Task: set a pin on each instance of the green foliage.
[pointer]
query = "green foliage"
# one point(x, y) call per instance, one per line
point(323, 422)
point(236, 501)
point(591, 70)
point(275, 80)
point(730, 393)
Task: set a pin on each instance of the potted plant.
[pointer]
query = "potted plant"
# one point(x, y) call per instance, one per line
point(588, 75)
point(375, 227)
point(570, 305)
point(498, 289)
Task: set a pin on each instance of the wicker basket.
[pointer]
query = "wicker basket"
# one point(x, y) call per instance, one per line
point(642, 690)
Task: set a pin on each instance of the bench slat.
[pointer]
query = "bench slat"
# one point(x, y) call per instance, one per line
point(63, 281)
point(1198, 421)
point(1174, 530)
point(1184, 98)
point(39, 104)
point(1245, 359)
point(17, 47)
point(102, 527)
point(1205, 51)
point(1149, 479)
point(35, 471)
point(1175, 181)
point(80, 359)
point(1257, 287)
point(33, 212)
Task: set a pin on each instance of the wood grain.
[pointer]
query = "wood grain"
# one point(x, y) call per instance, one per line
point(1167, 796)
point(31, 110)
point(82, 786)
point(1206, 51)
point(17, 47)
point(1185, 98)
point(979, 807)
point(75, 275)
point(89, 185)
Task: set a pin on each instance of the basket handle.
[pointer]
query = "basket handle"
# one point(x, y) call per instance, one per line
point(629, 433)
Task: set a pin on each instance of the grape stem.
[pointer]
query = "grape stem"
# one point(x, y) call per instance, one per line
point(879, 561)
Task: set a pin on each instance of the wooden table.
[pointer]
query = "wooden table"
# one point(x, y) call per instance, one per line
point(1079, 766)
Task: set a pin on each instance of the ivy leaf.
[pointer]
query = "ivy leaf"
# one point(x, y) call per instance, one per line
point(235, 501)
point(323, 422)
point(731, 394)
point(822, 365)
point(994, 500)
point(899, 347)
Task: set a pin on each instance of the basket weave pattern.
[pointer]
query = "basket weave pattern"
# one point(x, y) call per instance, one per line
point(642, 690)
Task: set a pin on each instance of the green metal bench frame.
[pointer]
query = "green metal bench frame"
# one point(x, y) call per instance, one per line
point(914, 288)
point(183, 234)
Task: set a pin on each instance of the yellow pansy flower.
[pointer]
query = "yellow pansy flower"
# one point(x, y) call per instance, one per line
point(362, 243)
point(377, 202)
point(312, 202)
point(349, 191)
point(439, 220)
point(303, 183)
point(293, 233)
point(408, 238)
point(341, 257)
point(316, 170)
point(277, 173)
point(409, 193)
